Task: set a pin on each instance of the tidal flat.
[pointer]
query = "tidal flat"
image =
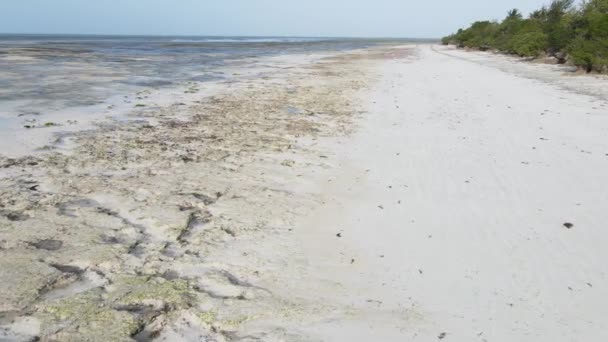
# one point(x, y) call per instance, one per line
point(112, 235)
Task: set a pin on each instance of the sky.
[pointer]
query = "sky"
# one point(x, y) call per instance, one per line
point(309, 18)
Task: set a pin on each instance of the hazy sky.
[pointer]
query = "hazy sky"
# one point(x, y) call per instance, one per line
point(361, 18)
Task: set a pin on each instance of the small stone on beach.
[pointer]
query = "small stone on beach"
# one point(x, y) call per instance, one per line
point(47, 244)
point(15, 216)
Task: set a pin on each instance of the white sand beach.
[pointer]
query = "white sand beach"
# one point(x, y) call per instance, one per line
point(451, 201)
point(403, 193)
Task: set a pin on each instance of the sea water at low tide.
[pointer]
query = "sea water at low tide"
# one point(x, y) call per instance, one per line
point(43, 74)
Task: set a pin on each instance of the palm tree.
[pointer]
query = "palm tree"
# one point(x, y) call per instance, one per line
point(514, 14)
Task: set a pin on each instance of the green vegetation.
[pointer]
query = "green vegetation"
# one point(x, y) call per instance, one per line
point(573, 34)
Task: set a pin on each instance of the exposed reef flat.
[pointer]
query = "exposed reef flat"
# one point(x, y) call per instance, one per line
point(115, 239)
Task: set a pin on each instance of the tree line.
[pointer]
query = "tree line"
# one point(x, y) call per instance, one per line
point(572, 34)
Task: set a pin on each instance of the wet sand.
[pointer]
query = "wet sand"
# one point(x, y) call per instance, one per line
point(407, 193)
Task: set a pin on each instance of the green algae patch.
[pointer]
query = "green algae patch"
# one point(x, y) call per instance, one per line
point(236, 322)
point(84, 317)
point(208, 317)
point(138, 290)
point(120, 312)
point(22, 279)
point(212, 318)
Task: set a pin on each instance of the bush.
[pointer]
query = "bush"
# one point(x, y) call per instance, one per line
point(447, 40)
point(480, 34)
point(530, 44)
point(558, 25)
point(559, 30)
point(507, 30)
point(589, 49)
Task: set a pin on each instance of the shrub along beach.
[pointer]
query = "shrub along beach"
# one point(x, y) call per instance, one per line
point(568, 33)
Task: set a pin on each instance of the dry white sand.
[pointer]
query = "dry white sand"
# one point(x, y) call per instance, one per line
point(450, 202)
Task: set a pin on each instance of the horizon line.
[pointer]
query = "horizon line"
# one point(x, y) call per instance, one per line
point(210, 36)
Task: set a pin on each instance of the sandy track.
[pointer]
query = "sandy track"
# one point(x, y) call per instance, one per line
point(450, 204)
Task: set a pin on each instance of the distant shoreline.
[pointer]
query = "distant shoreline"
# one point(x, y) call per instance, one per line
point(245, 37)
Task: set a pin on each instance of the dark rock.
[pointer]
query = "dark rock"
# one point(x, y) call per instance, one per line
point(47, 244)
point(68, 269)
point(568, 225)
point(207, 200)
point(196, 223)
point(15, 216)
point(170, 275)
point(12, 162)
point(70, 208)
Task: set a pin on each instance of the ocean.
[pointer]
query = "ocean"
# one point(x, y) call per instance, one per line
point(43, 72)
